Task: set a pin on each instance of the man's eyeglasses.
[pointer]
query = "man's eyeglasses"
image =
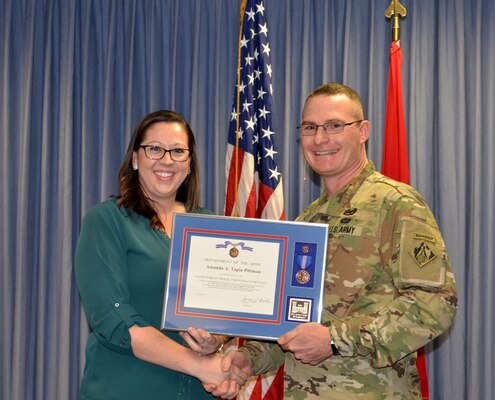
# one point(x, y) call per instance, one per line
point(157, 153)
point(331, 127)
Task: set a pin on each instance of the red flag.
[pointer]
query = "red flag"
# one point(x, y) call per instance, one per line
point(254, 182)
point(395, 161)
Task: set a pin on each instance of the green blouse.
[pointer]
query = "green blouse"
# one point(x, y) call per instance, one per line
point(121, 265)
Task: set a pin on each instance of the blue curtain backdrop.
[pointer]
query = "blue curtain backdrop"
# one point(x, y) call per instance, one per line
point(77, 75)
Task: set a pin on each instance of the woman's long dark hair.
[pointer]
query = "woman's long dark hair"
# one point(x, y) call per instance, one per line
point(131, 194)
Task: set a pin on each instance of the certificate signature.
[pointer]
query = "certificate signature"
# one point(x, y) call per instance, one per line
point(256, 300)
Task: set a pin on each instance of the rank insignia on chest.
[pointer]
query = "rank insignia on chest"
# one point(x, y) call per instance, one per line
point(350, 211)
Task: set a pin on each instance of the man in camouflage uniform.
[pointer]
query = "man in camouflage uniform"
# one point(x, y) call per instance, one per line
point(389, 286)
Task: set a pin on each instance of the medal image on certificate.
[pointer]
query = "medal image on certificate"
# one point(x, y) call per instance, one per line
point(244, 277)
point(303, 276)
point(303, 267)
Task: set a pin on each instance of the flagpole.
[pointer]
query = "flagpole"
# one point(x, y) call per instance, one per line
point(238, 101)
point(254, 187)
point(395, 10)
point(395, 161)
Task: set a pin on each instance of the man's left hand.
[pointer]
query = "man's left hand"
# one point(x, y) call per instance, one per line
point(310, 342)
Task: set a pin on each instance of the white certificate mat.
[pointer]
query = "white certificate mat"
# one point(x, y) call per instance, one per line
point(244, 277)
point(248, 281)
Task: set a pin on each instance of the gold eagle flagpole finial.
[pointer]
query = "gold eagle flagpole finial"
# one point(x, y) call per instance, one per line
point(395, 10)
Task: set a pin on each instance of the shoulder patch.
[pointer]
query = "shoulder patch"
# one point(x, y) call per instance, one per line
point(422, 254)
point(421, 259)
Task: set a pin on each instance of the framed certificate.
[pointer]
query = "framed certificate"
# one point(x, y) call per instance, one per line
point(244, 277)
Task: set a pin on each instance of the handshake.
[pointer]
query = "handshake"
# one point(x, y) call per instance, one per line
point(228, 374)
point(224, 374)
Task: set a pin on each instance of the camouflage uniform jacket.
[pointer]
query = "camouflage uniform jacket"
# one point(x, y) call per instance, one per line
point(389, 290)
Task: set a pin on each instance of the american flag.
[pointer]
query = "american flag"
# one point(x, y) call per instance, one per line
point(254, 182)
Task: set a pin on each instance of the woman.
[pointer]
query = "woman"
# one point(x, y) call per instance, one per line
point(121, 261)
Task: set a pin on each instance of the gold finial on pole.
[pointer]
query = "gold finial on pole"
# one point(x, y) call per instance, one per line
point(395, 10)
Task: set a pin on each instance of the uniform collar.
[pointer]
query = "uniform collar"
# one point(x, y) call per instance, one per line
point(341, 200)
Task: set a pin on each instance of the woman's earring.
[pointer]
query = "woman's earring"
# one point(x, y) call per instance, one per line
point(134, 167)
point(188, 172)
